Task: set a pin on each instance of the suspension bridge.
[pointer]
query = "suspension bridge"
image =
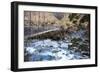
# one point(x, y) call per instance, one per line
point(42, 32)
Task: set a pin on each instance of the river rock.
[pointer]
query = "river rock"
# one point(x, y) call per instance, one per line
point(30, 50)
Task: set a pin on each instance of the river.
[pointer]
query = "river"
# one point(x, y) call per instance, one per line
point(47, 50)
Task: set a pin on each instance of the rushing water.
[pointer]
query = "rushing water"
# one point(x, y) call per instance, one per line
point(46, 50)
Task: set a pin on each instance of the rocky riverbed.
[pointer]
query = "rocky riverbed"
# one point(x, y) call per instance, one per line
point(47, 50)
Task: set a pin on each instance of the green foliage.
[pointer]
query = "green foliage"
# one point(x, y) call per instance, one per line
point(86, 18)
point(84, 47)
point(71, 16)
point(75, 22)
point(80, 27)
point(80, 45)
point(77, 17)
point(76, 40)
